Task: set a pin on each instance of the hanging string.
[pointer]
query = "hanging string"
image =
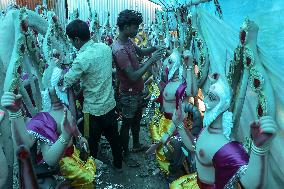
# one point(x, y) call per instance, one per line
point(90, 9)
point(218, 9)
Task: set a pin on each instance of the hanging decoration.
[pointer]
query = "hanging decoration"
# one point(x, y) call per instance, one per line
point(218, 9)
point(244, 57)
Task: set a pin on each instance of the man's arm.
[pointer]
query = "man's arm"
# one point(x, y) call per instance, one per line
point(135, 75)
point(75, 72)
point(145, 51)
point(124, 63)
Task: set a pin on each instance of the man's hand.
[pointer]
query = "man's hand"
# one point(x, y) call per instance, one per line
point(157, 47)
point(83, 143)
point(263, 131)
point(80, 121)
point(11, 101)
point(155, 71)
point(157, 55)
point(153, 148)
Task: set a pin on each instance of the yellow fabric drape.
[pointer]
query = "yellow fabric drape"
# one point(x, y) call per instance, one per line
point(185, 182)
point(80, 173)
point(157, 129)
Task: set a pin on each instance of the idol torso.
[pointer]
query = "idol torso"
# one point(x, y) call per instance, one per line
point(169, 96)
point(208, 143)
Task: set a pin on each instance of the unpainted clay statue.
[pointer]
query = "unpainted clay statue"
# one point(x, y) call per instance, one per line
point(222, 162)
point(53, 129)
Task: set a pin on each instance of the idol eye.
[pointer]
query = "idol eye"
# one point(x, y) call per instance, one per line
point(212, 97)
point(209, 96)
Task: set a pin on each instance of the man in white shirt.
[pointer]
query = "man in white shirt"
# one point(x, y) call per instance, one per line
point(93, 67)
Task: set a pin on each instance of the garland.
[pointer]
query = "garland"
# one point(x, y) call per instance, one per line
point(26, 44)
point(218, 9)
point(41, 10)
point(95, 26)
point(55, 31)
point(92, 20)
point(74, 15)
point(155, 92)
point(256, 83)
point(244, 55)
point(194, 39)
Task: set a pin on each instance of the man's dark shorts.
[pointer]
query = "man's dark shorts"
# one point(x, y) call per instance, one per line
point(131, 104)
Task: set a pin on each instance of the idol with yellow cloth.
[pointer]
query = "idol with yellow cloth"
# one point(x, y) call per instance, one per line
point(53, 129)
point(79, 173)
point(185, 182)
point(163, 131)
point(158, 126)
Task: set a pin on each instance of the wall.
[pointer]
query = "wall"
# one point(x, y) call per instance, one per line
point(4, 3)
point(31, 4)
point(146, 7)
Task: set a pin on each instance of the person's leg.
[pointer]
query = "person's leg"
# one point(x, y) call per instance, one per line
point(124, 137)
point(111, 134)
point(124, 133)
point(128, 107)
point(95, 135)
point(135, 129)
point(127, 120)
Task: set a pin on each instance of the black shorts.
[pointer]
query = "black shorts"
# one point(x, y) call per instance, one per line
point(130, 104)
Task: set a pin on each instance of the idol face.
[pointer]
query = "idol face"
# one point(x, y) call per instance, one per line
point(212, 107)
point(167, 65)
point(217, 100)
point(212, 99)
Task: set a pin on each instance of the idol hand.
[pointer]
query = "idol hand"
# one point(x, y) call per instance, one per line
point(11, 101)
point(263, 131)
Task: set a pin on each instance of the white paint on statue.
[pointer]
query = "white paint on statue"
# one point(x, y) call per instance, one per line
point(57, 74)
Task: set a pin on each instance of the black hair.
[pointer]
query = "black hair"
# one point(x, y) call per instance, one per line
point(78, 28)
point(129, 17)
